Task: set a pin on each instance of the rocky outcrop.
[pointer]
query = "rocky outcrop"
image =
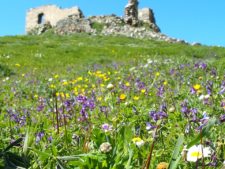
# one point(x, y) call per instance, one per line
point(109, 25)
point(73, 24)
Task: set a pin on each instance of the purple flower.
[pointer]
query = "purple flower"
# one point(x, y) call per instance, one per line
point(39, 136)
point(213, 72)
point(222, 118)
point(160, 91)
point(50, 139)
point(149, 126)
point(157, 115)
point(163, 107)
point(172, 71)
point(81, 99)
point(222, 88)
point(184, 108)
point(223, 104)
point(40, 107)
point(209, 87)
point(192, 90)
point(106, 127)
point(200, 65)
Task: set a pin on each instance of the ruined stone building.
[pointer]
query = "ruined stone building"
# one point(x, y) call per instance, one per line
point(135, 22)
point(50, 14)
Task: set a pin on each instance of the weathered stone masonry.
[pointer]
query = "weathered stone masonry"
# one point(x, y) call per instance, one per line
point(137, 23)
point(49, 14)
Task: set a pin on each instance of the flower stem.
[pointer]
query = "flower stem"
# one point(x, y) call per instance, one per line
point(147, 164)
point(203, 162)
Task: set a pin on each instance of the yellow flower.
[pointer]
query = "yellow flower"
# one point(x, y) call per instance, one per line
point(165, 83)
point(162, 165)
point(99, 98)
point(197, 87)
point(157, 74)
point(127, 84)
point(79, 78)
point(136, 98)
point(123, 97)
point(98, 72)
point(67, 95)
point(56, 76)
point(143, 90)
point(35, 96)
point(106, 79)
point(23, 75)
point(52, 86)
point(65, 83)
point(138, 141)
point(17, 65)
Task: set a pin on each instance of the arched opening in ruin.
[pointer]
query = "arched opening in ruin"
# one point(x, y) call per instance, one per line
point(41, 18)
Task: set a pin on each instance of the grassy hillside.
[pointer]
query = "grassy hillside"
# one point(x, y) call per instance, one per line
point(55, 53)
point(96, 102)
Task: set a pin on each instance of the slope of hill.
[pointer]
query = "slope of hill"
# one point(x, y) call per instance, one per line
point(55, 53)
point(104, 102)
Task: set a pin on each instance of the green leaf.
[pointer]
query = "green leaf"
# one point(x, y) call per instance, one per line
point(42, 154)
point(69, 158)
point(13, 144)
point(128, 166)
point(26, 140)
point(176, 153)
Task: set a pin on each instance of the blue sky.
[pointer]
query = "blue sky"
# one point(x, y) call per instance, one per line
point(192, 20)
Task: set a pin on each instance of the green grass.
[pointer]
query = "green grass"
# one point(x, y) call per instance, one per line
point(54, 53)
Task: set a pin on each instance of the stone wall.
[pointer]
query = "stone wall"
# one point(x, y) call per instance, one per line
point(50, 14)
point(146, 15)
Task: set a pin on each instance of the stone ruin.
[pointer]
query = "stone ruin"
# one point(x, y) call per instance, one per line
point(131, 13)
point(49, 15)
point(137, 23)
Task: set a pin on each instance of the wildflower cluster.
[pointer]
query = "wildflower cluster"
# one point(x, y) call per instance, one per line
point(120, 116)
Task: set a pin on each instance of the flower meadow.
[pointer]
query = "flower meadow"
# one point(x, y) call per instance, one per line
point(150, 113)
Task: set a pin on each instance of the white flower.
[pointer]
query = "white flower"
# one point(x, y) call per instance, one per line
point(201, 97)
point(138, 141)
point(110, 86)
point(197, 152)
point(105, 147)
point(50, 79)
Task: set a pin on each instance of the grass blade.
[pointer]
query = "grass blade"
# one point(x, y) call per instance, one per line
point(176, 153)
